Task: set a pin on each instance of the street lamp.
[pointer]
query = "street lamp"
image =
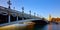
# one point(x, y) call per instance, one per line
point(34, 14)
point(9, 3)
point(30, 13)
point(16, 15)
point(22, 13)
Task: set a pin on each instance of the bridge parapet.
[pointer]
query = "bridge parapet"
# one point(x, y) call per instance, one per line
point(14, 12)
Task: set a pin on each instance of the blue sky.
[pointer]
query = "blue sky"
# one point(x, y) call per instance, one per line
point(41, 7)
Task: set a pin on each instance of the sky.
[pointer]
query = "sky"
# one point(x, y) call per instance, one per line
point(41, 7)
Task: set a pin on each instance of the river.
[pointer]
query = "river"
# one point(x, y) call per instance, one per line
point(48, 27)
point(36, 27)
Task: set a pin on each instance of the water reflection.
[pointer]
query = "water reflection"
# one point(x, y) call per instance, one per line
point(40, 27)
point(48, 27)
point(56, 27)
point(31, 27)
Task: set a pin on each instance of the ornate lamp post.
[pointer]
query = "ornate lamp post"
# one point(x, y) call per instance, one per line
point(9, 3)
point(34, 14)
point(22, 13)
point(30, 13)
point(17, 17)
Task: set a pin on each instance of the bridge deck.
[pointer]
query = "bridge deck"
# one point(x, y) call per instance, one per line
point(19, 22)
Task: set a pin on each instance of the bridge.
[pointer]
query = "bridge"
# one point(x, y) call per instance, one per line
point(10, 16)
point(37, 21)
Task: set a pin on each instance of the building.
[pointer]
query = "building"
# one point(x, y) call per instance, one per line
point(52, 19)
point(49, 17)
point(55, 19)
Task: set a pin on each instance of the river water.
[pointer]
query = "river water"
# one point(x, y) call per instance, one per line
point(48, 27)
point(36, 27)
